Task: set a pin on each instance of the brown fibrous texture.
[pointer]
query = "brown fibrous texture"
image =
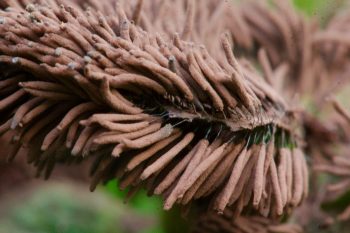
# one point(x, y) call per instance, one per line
point(154, 108)
point(211, 222)
point(334, 160)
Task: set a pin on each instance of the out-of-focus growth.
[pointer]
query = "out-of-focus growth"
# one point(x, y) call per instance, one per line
point(190, 100)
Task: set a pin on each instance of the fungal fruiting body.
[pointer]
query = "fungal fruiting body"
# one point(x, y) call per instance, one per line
point(334, 160)
point(152, 112)
point(211, 222)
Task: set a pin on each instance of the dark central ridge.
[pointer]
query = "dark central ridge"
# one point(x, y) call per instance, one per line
point(212, 130)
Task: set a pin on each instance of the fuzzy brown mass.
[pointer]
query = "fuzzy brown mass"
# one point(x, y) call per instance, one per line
point(153, 108)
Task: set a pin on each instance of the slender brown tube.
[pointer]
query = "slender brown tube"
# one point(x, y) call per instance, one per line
point(166, 158)
point(5, 103)
point(175, 172)
point(297, 177)
point(116, 137)
point(23, 109)
point(259, 176)
point(139, 158)
point(149, 139)
point(115, 102)
point(233, 180)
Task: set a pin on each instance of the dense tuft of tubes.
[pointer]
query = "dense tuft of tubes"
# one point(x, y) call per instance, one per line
point(211, 223)
point(167, 96)
point(148, 94)
point(336, 162)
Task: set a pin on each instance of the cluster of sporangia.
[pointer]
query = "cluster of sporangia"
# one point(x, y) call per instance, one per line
point(155, 109)
point(213, 223)
point(334, 160)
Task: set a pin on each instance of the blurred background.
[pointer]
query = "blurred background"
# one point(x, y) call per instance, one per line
point(63, 204)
